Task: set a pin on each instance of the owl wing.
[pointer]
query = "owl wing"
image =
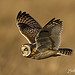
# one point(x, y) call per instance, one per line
point(49, 36)
point(28, 26)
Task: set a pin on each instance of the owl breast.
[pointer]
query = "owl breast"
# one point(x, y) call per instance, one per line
point(46, 54)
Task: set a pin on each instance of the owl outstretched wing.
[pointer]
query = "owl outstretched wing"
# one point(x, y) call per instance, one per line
point(28, 26)
point(49, 36)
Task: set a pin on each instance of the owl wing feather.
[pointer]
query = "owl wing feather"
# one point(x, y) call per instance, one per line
point(49, 36)
point(28, 26)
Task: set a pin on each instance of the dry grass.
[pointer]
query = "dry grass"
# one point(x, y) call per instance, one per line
point(11, 60)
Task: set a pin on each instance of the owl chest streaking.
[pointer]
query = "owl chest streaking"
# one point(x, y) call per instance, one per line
point(43, 42)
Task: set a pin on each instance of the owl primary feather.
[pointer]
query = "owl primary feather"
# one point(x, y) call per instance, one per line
point(44, 41)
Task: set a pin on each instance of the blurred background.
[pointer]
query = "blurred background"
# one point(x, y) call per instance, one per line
point(11, 60)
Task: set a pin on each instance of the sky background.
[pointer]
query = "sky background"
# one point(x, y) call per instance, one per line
point(11, 60)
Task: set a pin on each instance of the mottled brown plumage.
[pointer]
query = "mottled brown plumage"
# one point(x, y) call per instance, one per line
point(50, 36)
point(43, 42)
point(28, 26)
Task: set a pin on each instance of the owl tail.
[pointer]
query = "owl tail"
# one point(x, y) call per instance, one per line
point(64, 51)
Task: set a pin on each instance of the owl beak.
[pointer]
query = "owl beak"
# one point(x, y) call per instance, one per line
point(22, 53)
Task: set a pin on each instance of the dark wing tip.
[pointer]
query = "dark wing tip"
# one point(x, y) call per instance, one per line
point(23, 13)
point(21, 17)
point(52, 19)
point(55, 21)
point(58, 21)
point(19, 14)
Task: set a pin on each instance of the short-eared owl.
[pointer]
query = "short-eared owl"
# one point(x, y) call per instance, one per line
point(43, 42)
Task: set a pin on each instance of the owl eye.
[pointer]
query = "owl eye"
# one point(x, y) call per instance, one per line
point(26, 49)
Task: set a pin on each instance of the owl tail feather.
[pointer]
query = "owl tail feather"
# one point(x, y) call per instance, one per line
point(64, 51)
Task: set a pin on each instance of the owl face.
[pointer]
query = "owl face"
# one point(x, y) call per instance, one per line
point(26, 50)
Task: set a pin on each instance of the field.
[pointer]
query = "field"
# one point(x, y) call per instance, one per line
point(11, 60)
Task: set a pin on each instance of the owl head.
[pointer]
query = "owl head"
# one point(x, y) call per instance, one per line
point(28, 49)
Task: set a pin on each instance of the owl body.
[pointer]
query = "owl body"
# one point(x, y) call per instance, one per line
point(35, 54)
point(44, 41)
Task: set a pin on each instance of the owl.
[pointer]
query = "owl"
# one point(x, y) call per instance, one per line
point(44, 41)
